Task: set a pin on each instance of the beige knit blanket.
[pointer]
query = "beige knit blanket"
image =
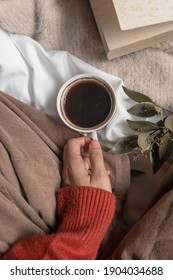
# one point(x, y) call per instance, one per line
point(59, 24)
point(70, 25)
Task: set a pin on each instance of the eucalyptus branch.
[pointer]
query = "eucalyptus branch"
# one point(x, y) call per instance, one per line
point(157, 138)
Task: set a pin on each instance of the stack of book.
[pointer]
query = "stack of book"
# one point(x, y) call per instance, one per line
point(126, 26)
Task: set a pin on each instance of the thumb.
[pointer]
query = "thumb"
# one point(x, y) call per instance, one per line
point(96, 157)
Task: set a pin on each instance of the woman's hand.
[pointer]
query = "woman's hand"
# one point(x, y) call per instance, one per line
point(83, 164)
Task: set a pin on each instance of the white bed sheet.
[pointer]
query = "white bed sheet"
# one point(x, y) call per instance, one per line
point(34, 76)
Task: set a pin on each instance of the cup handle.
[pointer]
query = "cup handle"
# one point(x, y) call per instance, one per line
point(94, 135)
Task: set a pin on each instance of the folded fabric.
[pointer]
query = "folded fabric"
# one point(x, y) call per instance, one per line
point(34, 76)
point(151, 238)
point(31, 146)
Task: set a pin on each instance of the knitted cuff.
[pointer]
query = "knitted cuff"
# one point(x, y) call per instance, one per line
point(85, 211)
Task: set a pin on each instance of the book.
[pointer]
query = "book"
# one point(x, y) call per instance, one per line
point(124, 28)
point(136, 13)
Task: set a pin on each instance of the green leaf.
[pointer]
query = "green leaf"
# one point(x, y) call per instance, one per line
point(137, 96)
point(159, 111)
point(142, 126)
point(165, 150)
point(154, 154)
point(155, 160)
point(169, 122)
point(160, 153)
point(125, 145)
point(143, 109)
point(143, 141)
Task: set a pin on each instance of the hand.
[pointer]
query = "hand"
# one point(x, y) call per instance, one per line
point(83, 164)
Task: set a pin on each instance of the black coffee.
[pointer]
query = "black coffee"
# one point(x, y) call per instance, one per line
point(87, 103)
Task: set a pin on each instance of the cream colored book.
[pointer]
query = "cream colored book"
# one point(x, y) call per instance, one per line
point(126, 26)
point(139, 13)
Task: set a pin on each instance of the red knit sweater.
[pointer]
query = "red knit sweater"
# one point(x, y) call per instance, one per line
point(85, 214)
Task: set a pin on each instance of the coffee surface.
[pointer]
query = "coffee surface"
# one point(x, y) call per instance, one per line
point(87, 103)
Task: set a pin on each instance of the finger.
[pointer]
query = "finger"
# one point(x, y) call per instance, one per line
point(74, 146)
point(96, 157)
point(87, 163)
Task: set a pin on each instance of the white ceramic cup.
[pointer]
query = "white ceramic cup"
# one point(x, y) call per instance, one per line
point(63, 92)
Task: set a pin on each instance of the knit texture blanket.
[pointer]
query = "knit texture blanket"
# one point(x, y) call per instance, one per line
point(61, 25)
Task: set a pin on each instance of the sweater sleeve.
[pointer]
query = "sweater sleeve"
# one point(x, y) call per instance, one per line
point(85, 214)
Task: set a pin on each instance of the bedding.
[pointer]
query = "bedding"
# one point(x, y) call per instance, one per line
point(61, 25)
point(31, 162)
point(31, 146)
point(34, 76)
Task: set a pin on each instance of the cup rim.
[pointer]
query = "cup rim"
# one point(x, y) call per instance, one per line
point(70, 124)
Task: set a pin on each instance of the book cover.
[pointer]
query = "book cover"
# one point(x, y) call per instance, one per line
point(136, 13)
point(118, 42)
